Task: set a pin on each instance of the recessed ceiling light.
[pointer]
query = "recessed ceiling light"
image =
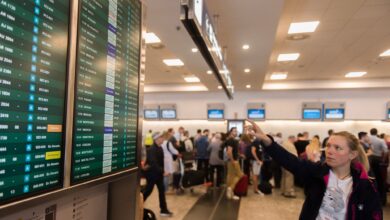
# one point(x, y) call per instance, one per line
point(303, 27)
point(219, 87)
point(151, 38)
point(245, 46)
point(355, 74)
point(288, 57)
point(209, 72)
point(247, 70)
point(385, 54)
point(194, 50)
point(191, 79)
point(248, 86)
point(173, 62)
point(278, 76)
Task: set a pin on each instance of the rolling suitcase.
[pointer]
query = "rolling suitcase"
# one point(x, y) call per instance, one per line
point(241, 188)
point(192, 178)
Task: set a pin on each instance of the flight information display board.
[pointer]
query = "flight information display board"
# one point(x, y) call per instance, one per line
point(33, 58)
point(107, 82)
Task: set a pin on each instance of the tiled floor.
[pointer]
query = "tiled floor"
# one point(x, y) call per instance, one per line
point(215, 206)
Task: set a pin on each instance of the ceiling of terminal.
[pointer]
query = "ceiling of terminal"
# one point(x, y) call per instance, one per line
point(350, 37)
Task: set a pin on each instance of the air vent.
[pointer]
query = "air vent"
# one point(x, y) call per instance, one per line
point(297, 36)
point(156, 46)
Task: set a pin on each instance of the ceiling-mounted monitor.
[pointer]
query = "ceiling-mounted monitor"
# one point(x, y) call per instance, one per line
point(239, 124)
point(168, 111)
point(311, 111)
point(388, 112)
point(151, 112)
point(256, 111)
point(334, 111)
point(33, 76)
point(216, 111)
point(107, 88)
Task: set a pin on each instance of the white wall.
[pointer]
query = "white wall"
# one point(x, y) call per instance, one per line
point(364, 109)
point(368, 104)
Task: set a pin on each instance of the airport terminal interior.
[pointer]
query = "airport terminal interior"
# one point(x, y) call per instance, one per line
point(194, 109)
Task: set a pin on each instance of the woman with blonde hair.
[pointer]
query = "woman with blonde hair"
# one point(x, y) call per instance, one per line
point(337, 189)
point(313, 150)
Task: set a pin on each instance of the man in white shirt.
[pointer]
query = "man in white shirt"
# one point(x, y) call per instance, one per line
point(379, 152)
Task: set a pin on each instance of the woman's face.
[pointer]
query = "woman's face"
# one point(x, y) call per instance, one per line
point(338, 153)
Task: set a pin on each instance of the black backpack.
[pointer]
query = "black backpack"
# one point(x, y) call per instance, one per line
point(149, 215)
point(182, 146)
point(265, 187)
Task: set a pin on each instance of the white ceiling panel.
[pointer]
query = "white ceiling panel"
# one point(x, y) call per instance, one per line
point(351, 35)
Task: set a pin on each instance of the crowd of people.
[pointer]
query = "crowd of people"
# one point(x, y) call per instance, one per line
point(225, 158)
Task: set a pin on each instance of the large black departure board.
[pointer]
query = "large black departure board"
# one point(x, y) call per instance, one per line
point(107, 81)
point(33, 57)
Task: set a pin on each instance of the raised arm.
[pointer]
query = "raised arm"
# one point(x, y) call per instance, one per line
point(301, 168)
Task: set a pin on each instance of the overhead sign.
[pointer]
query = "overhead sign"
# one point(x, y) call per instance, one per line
point(199, 25)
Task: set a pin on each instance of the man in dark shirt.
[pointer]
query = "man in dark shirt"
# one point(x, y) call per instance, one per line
point(234, 172)
point(154, 170)
point(300, 145)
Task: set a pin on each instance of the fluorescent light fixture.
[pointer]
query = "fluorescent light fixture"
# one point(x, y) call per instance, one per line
point(194, 50)
point(151, 38)
point(355, 74)
point(248, 86)
point(209, 72)
point(247, 70)
point(223, 71)
point(278, 76)
point(191, 79)
point(219, 87)
point(245, 46)
point(288, 57)
point(385, 54)
point(303, 27)
point(173, 62)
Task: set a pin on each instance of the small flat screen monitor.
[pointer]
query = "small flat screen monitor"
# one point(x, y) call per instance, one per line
point(256, 113)
point(215, 114)
point(334, 113)
point(168, 114)
point(239, 124)
point(311, 114)
point(151, 114)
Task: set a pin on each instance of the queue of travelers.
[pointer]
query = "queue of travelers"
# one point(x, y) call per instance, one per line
point(327, 171)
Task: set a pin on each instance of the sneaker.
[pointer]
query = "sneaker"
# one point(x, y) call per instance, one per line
point(235, 197)
point(166, 213)
point(229, 193)
point(259, 193)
